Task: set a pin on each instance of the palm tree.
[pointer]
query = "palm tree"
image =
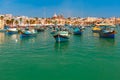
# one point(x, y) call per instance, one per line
point(1, 18)
point(16, 22)
point(32, 21)
point(12, 21)
point(27, 21)
point(21, 20)
point(55, 22)
point(36, 20)
point(7, 22)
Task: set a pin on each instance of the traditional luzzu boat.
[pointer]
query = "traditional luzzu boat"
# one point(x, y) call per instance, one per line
point(96, 29)
point(4, 29)
point(61, 36)
point(28, 33)
point(40, 28)
point(107, 31)
point(78, 31)
point(54, 30)
point(12, 31)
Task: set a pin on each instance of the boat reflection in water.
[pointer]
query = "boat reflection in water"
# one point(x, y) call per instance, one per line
point(96, 34)
point(27, 40)
point(14, 37)
point(61, 47)
point(2, 38)
point(107, 42)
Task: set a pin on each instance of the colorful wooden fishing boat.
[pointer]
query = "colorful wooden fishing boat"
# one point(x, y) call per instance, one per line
point(110, 34)
point(107, 31)
point(61, 36)
point(28, 33)
point(78, 31)
point(40, 28)
point(4, 29)
point(53, 32)
point(12, 31)
point(96, 29)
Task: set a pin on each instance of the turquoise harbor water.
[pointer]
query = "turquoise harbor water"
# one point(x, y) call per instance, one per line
point(85, 57)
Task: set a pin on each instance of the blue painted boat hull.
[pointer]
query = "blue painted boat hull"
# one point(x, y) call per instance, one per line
point(53, 32)
point(27, 35)
point(107, 35)
point(12, 32)
point(3, 30)
point(60, 38)
point(78, 33)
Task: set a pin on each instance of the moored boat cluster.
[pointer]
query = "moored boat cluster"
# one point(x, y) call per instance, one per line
point(60, 27)
point(62, 33)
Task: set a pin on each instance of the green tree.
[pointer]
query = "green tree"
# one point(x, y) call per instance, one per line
point(2, 20)
point(12, 21)
point(36, 20)
point(1, 17)
point(27, 21)
point(21, 20)
point(16, 22)
point(7, 22)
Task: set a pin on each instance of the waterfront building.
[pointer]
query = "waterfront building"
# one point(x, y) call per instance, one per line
point(11, 20)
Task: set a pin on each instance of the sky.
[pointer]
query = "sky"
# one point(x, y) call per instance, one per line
point(68, 8)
